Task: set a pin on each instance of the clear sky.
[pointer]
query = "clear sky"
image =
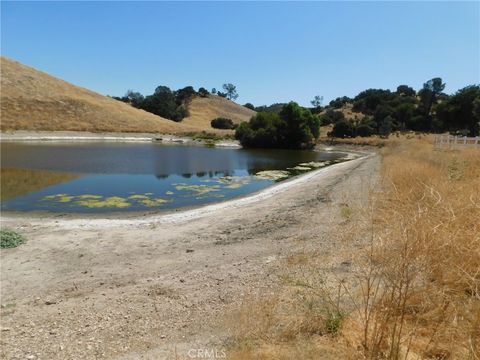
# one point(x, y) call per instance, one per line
point(272, 51)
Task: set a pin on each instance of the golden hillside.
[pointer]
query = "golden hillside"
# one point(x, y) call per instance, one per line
point(33, 100)
point(203, 110)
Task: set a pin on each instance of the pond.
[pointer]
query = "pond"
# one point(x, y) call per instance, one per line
point(106, 177)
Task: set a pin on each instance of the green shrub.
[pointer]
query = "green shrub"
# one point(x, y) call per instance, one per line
point(364, 130)
point(203, 92)
point(342, 129)
point(222, 123)
point(332, 117)
point(10, 239)
point(334, 322)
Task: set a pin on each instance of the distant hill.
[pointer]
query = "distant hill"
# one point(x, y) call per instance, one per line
point(33, 100)
point(202, 110)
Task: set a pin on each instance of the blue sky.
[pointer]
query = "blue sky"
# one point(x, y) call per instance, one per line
point(272, 51)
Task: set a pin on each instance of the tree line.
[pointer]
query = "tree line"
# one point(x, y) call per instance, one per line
point(428, 110)
point(379, 111)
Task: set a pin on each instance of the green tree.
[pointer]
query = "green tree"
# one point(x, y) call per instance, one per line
point(405, 90)
point(331, 117)
point(203, 92)
point(386, 126)
point(382, 111)
point(134, 98)
point(294, 127)
point(317, 101)
point(429, 93)
point(342, 129)
point(461, 111)
point(184, 95)
point(403, 114)
point(230, 91)
point(161, 102)
point(364, 130)
point(339, 102)
point(367, 101)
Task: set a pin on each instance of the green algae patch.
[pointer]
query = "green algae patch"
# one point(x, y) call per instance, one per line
point(199, 190)
point(313, 164)
point(169, 193)
point(109, 202)
point(234, 182)
point(153, 202)
point(61, 198)
point(274, 175)
point(88, 196)
point(300, 168)
point(97, 201)
point(141, 197)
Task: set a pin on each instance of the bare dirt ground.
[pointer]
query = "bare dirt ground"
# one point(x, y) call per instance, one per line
point(155, 289)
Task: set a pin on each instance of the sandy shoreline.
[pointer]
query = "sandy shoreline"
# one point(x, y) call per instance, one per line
point(59, 136)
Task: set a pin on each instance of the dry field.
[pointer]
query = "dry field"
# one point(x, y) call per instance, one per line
point(413, 289)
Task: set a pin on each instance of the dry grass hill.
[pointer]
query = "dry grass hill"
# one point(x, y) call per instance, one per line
point(34, 100)
point(203, 110)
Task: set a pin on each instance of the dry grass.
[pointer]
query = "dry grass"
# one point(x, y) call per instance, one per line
point(420, 276)
point(34, 100)
point(414, 288)
point(375, 140)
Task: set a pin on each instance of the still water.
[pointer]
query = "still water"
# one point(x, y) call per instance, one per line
point(107, 177)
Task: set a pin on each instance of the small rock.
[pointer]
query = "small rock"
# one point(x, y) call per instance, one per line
point(50, 302)
point(190, 250)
